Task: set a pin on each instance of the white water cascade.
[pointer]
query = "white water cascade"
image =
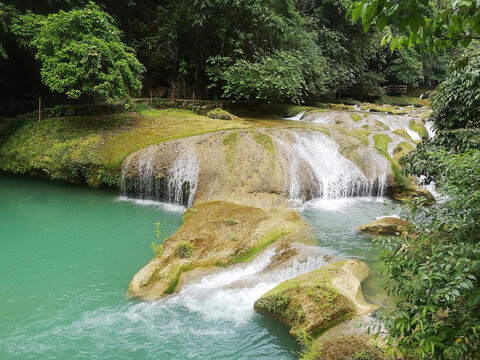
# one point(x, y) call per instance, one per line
point(230, 294)
point(183, 174)
point(142, 178)
point(318, 170)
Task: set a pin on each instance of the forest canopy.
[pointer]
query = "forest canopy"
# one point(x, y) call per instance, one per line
point(289, 50)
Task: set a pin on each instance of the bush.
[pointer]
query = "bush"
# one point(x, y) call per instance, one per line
point(434, 270)
point(185, 249)
point(456, 103)
point(219, 114)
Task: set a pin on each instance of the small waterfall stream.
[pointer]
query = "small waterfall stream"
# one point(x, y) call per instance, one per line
point(143, 178)
point(318, 170)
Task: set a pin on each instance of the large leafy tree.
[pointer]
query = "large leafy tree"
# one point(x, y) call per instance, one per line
point(81, 53)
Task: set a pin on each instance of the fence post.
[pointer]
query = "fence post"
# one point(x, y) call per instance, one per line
point(39, 108)
point(193, 101)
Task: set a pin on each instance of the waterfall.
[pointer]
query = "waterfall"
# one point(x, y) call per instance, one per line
point(142, 176)
point(297, 117)
point(430, 129)
point(182, 179)
point(318, 170)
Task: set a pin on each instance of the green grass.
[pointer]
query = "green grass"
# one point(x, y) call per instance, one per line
point(92, 148)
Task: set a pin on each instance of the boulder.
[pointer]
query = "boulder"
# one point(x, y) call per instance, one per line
point(388, 225)
point(316, 301)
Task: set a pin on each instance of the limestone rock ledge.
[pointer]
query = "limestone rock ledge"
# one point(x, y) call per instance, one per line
point(214, 234)
point(316, 301)
point(388, 225)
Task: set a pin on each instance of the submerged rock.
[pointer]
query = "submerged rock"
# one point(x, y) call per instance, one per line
point(213, 234)
point(314, 302)
point(388, 225)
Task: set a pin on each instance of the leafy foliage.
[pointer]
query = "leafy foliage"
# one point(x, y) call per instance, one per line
point(434, 270)
point(81, 53)
point(456, 103)
point(430, 24)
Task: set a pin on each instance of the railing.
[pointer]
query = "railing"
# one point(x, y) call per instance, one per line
point(395, 89)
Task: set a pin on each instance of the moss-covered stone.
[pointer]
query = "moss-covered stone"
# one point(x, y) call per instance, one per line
point(220, 114)
point(388, 225)
point(403, 133)
point(208, 231)
point(263, 139)
point(401, 150)
point(355, 117)
point(419, 128)
point(354, 347)
point(314, 302)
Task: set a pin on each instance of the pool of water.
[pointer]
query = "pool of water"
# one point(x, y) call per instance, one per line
point(67, 254)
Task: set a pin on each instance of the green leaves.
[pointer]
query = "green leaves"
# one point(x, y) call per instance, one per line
point(432, 27)
point(81, 53)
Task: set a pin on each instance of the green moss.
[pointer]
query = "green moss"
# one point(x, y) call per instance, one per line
point(219, 114)
point(401, 150)
point(264, 140)
point(231, 139)
point(355, 117)
point(267, 239)
point(81, 148)
point(381, 144)
point(361, 134)
point(419, 128)
point(172, 285)
point(403, 133)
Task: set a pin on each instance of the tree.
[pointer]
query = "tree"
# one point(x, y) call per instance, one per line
point(81, 52)
point(430, 24)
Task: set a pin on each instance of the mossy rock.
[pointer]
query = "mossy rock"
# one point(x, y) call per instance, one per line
point(401, 150)
point(220, 114)
point(413, 193)
point(388, 225)
point(355, 347)
point(419, 128)
point(205, 241)
point(355, 117)
point(314, 302)
point(403, 133)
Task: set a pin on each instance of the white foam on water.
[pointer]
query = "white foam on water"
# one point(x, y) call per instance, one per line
point(297, 117)
point(230, 294)
point(145, 202)
point(413, 134)
point(340, 204)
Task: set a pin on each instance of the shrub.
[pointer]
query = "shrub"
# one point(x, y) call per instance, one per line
point(219, 114)
point(185, 249)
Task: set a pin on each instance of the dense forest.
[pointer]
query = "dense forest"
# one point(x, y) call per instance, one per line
point(289, 50)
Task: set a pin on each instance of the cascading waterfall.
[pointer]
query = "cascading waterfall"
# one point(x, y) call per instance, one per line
point(318, 170)
point(182, 179)
point(229, 294)
point(178, 185)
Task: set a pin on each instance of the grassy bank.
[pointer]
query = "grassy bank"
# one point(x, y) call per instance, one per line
point(92, 148)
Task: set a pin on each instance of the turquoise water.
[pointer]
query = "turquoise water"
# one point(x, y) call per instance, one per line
point(67, 255)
